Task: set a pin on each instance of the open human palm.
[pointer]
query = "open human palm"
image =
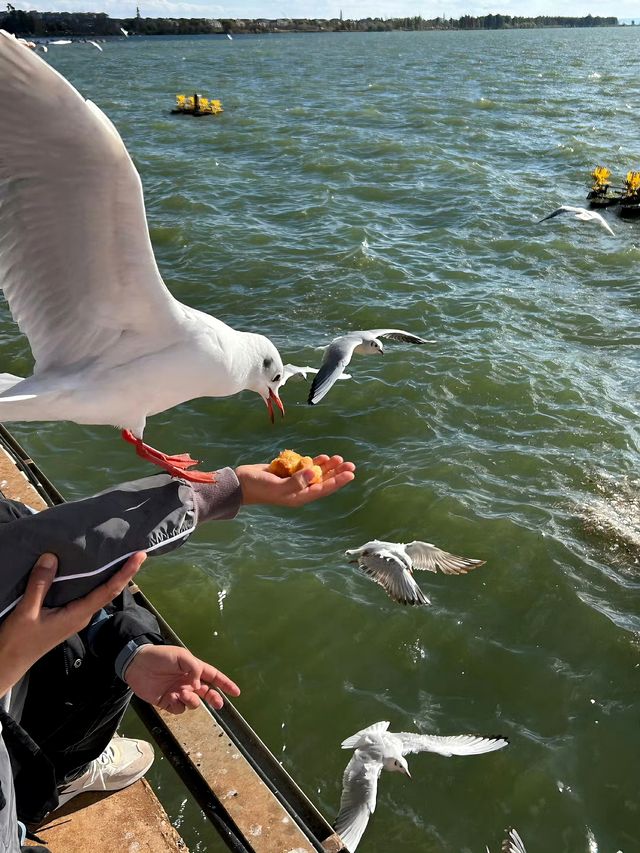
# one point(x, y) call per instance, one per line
point(260, 486)
point(173, 679)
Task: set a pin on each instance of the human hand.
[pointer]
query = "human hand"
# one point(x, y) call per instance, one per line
point(173, 679)
point(31, 630)
point(260, 486)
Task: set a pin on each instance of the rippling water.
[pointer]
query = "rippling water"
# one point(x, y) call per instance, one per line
point(359, 181)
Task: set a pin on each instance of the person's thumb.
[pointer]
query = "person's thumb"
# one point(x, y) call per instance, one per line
point(39, 583)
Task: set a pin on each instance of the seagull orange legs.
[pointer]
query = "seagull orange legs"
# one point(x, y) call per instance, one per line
point(176, 465)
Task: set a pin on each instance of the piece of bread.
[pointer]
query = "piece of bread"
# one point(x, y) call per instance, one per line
point(289, 462)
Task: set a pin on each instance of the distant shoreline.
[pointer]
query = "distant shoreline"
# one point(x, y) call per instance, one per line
point(55, 24)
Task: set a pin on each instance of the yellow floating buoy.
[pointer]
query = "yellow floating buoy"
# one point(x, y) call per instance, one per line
point(197, 105)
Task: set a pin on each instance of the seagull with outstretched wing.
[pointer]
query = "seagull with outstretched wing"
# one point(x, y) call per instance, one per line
point(580, 213)
point(111, 344)
point(293, 373)
point(391, 564)
point(340, 351)
point(377, 749)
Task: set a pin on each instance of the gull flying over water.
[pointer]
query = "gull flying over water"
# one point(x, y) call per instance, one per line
point(377, 749)
point(111, 344)
point(580, 213)
point(511, 844)
point(340, 351)
point(391, 564)
point(293, 373)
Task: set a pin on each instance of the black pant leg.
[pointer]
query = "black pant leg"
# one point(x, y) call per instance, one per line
point(73, 707)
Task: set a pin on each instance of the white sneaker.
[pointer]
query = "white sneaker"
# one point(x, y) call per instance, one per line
point(122, 763)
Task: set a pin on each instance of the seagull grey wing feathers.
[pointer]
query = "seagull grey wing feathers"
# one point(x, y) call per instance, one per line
point(449, 745)
point(336, 357)
point(399, 335)
point(76, 262)
point(563, 209)
point(358, 801)
point(428, 558)
point(385, 568)
point(513, 843)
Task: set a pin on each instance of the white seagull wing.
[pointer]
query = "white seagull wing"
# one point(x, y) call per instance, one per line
point(429, 558)
point(594, 216)
point(399, 335)
point(453, 745)
point(565, 208)
point(358, 801)
point(297, 374)
point(336, 357)
point(294, 373)
point(386, 569)
point(513, 843)
point(76, 263)
point(365, 736)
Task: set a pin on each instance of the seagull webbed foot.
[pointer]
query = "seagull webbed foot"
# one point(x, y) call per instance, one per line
point(175, 465)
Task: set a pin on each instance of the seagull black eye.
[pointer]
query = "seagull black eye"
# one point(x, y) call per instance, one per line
point(267, 363)
point(276, 378)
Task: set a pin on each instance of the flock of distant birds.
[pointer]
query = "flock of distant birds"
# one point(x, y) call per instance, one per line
point(112, 346)
point(61, 42)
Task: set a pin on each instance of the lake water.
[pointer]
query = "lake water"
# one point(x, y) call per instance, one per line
point(357, 181)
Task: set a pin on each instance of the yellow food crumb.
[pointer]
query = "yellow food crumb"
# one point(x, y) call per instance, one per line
point(288, 462)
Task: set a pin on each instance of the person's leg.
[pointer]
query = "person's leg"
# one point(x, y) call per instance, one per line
point(73, 707)
point(9, 837)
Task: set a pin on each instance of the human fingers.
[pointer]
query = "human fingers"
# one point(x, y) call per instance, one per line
point(214, 677)
point(38, 585)
point(339, 468)
point(211, 696)
point(172, 703)
point(334, 465)
point(189, 697)
point(322, 490)
point(322, 459)
point(106, 592)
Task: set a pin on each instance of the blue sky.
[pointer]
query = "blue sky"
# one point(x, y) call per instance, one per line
point(350, 8)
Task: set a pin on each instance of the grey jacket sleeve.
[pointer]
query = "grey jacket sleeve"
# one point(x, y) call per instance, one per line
point(93, 537)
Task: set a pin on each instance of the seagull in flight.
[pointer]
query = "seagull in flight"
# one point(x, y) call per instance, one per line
point(391, 564)
point(581, 213)
point(293, 373)
point(340, 351)
point(124, 32)
point(377, 749)
point(511, 844)
point(95, 44)
point(111, 344)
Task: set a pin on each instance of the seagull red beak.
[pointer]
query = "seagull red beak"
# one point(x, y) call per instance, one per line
point(270, 401)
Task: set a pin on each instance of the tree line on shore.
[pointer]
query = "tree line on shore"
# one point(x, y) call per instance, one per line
point(44, 24)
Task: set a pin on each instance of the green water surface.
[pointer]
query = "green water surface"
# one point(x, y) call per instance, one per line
point(357, 181)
